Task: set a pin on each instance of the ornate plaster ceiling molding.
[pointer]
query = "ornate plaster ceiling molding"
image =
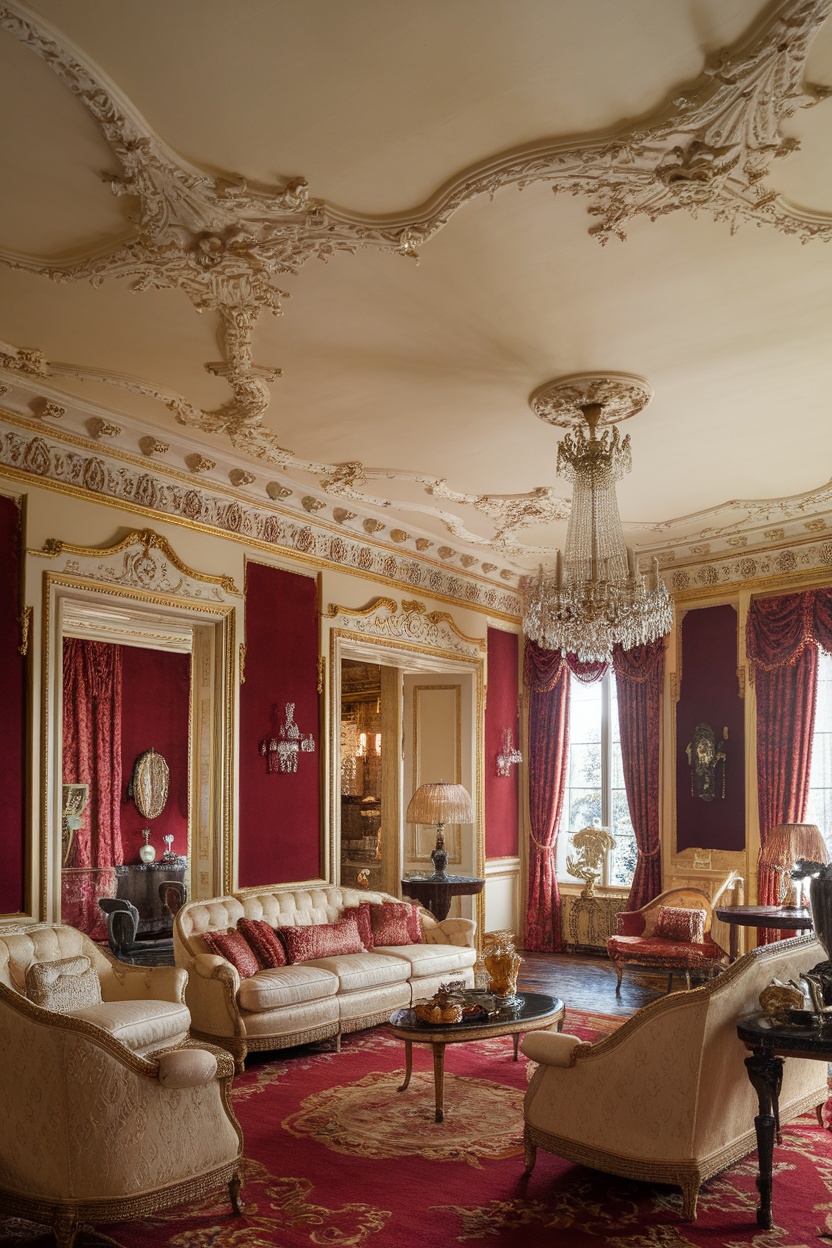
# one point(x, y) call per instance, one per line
point(790, 559)
point(107, 474)
point(222, 240)
point(561, 402)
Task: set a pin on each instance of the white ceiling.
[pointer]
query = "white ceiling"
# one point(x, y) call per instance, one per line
point(424, 370)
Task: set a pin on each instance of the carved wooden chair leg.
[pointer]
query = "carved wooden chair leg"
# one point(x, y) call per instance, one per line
point(530, 1153)
point(338, 1043)
point(619, 970)
point(690, 1196)
point(234, 1185)
point(65, 1229)
point(819, 1113)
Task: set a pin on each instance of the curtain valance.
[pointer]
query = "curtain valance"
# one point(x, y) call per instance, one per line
point(778, 630)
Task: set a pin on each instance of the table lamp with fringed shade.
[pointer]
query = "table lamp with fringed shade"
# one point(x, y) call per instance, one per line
point(440, 804)
point(786, 843)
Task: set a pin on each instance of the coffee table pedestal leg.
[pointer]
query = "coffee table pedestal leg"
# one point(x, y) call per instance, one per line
point(439, 1078)
point(766, 1074)
point(408, 1064)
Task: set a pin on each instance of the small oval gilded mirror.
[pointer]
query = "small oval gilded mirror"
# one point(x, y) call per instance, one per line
point(150, 784)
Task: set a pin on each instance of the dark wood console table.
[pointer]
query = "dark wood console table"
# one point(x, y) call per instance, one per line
point(435, 891)
point(139, 882)
point(784, 918)
point(770, 1043)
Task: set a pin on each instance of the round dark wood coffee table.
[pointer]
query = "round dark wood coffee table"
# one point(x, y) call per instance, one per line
point(538, 1012)
point(784, 918)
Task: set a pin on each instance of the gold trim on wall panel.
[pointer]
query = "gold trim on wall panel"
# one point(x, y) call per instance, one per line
point(149, 540)
point(453, 843)
point(410, 607)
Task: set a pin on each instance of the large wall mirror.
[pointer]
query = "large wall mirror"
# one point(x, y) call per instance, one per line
point(138, 699)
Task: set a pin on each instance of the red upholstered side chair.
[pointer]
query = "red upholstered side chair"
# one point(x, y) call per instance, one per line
point(671, 933)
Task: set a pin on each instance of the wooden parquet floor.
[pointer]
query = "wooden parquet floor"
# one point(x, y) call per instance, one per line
point(587, 982)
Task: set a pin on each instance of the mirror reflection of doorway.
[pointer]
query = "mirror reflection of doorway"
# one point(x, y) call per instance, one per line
point(370, 767)
point(119, 702)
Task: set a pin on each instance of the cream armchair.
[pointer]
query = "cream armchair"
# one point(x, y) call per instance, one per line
point(93, 1132)
point(667, 1098)
point(143, 1007)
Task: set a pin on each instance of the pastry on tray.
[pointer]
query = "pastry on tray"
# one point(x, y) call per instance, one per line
point(438, 1010)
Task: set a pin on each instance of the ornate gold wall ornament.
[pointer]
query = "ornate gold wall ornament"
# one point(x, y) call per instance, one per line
point(100, 428)
point(321, 673)
point(239, 476)
point(143, 559)
point(200, 463)
point(741, 676)
point(423, 543)
point(152, 446)
point(399, 535)
point(243, 649)
point(707, 759)
point(25, 622)
point(467, 561)
point(774, 535)
point(445, 552)
point(341, 516)
point(816, 525)
point(26, 360)
point(675, 686)
point(149, 784)
point(593, 843)
point(371, 525)
point(311, 504)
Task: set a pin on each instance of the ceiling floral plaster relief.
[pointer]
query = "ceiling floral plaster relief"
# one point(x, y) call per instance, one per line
point(223, 240)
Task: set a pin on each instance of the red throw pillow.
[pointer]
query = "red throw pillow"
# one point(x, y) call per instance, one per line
point(264, 941)
point(390, 923)
point(234, 947)
point(361, 914)
point(680, 924)
point(414, 923)
point(321, 940)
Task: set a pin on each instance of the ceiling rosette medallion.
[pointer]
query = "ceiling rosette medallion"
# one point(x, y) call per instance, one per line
point(562, 402)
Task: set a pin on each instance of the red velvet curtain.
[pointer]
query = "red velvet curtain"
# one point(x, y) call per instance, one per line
point(547, 677)
point(782, 639)
point(639, 673)
point(92, 756)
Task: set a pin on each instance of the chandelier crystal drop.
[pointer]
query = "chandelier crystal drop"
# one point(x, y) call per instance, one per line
point(595, 598)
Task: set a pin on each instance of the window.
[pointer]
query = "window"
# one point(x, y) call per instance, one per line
point(595, 788)
point(819, 806)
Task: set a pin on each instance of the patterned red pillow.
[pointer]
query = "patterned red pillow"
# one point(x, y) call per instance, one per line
point(321, 940)
point(361, 914)
point(264, 941)
point(414, 923)
point(681, 924)
point(390, 923)
point(234, 947)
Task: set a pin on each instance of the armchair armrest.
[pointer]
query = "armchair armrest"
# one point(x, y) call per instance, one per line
point(449, 931)
point(124, 982)
point(629, 923)
point(211, 995)
point(551, 1048)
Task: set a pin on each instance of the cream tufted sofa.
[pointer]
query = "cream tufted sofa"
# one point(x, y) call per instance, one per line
point(92, 1131)
point(666, 1097)
point(310, 1000)
point(142, 1007)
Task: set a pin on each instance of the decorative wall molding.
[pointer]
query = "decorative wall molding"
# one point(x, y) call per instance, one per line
point(143, 560)
point(414, 623)
point(805, 557)
point(106, 476)
point(222, 240)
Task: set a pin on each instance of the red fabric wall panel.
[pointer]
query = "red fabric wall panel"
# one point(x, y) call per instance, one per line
point(155, 693)
point(13, 720)
point(710, 695)
point(501, 792)
point(280, 812)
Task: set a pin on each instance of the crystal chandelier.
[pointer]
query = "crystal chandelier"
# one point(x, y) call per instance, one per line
point(596, 598)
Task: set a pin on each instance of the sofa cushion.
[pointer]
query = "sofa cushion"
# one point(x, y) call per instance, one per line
point(321, 940)
point(64, 985)
point(680, 923)
point(234, 947)
point(139, 1025)
point(285, 985)
point(264, 941)
point(392, 923)
point(364, 970)
point(429, 959)
point(361, 914)
point(659, 952)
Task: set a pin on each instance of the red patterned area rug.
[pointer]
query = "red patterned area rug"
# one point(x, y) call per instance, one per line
point(336, 1157)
